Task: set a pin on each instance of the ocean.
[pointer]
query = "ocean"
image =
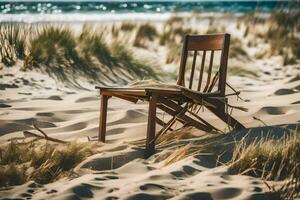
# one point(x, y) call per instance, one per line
point(62, 10)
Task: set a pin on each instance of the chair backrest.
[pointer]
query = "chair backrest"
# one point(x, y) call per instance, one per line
point(195, 44)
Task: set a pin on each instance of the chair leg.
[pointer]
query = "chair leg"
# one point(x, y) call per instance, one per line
point(103, 115)
point(220, 111)
point(150, 141)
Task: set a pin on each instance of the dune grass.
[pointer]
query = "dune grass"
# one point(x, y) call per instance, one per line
point(271, 159)
point(237, 50)
point(172, 37)
point(12, 42)
point(145, 32)
point(174, 53)
point(127, 26)
point(53, 50)
point(268, 158)
point(92, 43)
point(52, 44)
point(213, 29)
point(138, 67)
point(283, 35)
point(65, 56)
point(43, 163)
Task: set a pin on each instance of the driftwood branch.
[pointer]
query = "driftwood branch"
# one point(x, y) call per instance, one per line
point(258, 119)
point(237, 93)
point(31, 134)
point(43, 136)
point(37, 128)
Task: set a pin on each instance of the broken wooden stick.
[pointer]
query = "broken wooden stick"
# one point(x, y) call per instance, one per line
point(258, 119)
point(30, 134)
point(45, 136)
point(37, 128)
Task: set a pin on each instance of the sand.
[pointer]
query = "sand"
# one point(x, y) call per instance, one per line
point(120, 171)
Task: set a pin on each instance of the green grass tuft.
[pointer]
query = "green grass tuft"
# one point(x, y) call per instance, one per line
point(65, 56)
point(174, 53)
point(237, 50)
point(283, 34)
point(12, 42)
point(93, 44)
point(138, 67)
point(52, 44)
point(145, 32)
point(12, 175)
point(271, 159)
point(127, 26)
point(20, 163)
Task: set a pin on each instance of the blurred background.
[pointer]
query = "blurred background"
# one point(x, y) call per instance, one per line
point(115, 42)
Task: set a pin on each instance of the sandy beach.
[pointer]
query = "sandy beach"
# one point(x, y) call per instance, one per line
point(119, 171)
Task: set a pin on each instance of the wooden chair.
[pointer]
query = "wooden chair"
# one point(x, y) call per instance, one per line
point(178, 102)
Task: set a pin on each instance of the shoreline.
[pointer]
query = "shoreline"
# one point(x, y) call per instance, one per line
point(109, 17)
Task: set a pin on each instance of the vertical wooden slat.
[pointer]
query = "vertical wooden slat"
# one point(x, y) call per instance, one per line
point(150, 140)
point(209, 71)
point(213, 82)
point(223, 64)
point(102, 120)
point(201, 70)
point(184, 54)
point(193, 69)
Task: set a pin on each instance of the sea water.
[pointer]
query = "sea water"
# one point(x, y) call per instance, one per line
point(70, 10)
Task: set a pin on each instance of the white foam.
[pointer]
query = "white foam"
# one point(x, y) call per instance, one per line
point(83, 17)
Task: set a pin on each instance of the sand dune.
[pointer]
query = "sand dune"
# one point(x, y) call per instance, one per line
point(120, 171)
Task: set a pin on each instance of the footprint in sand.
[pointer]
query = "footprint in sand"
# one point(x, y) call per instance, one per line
point(152, 187)
point(199, 195)
point(295, 78)
point(13, 127)
point(49, 117)
point(4, 86)
point(258, 196)
point(53, 97)
point(28, 196)
point(112, 190)
point(51, 191)
point(178, 174)
point(115, 131)
point(296, 102)
point(83, 190)
point(111, 198)
point(111, 177)
point(272, 110)
point(40, 124)
point(86, 99)
point(297, 88)
point(257, 189)
point(35, 185)
point(146, 197)
point(70, 92)
point(3, 105)
point(25, 93)
point(189, 170)
point(284, 92)
point(45, 114)
point(227, 193)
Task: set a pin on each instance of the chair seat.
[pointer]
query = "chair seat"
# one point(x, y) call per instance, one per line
point(139, 92)
point(143, 92)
